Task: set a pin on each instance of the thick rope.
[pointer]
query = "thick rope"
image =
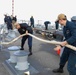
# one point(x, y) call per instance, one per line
point(46, 41)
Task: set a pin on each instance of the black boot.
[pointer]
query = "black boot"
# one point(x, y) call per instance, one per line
point(21, 48)
point(30, 54)
point(30, 50)
point(58, 70)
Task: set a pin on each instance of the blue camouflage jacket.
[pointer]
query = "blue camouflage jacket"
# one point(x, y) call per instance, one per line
point(69, 32)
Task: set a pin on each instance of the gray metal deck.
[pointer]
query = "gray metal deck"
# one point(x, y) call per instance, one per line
point(43, 60)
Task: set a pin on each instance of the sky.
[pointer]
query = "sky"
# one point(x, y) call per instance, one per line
point(39, 9)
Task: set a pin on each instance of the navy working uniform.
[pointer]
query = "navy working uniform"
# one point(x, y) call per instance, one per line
point(32, 21)
point(22, 30)
point(57, 24)
point(69, 55)
point(8, 21)
point(46, 24)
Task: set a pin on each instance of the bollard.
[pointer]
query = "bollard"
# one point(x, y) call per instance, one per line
point(22, 63)
point(13, 49)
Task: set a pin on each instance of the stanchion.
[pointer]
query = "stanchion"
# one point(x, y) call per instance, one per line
point(11, 50)
point(22, 63)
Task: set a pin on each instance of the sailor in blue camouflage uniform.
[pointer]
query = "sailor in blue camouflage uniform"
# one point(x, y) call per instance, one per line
point(68, 54)
point(22, 29)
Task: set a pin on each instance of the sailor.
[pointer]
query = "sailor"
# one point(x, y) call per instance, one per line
point(73, 19)
point(46, 24)
point(32, 21)
point(69, 30)
point(24, 28)
point(56, 24)
point(8, 21)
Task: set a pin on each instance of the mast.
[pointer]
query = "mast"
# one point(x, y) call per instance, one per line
point(12, 7)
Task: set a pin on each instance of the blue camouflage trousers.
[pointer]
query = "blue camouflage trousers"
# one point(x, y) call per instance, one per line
point(72, 63)
point(70, 56)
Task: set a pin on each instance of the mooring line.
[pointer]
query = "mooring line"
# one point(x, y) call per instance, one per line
point(46, 41)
